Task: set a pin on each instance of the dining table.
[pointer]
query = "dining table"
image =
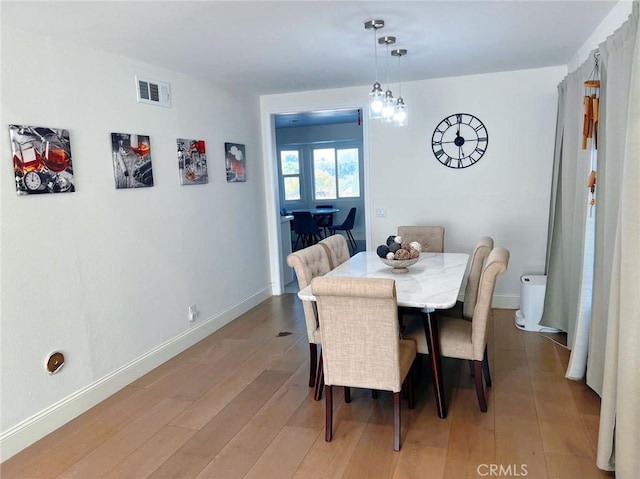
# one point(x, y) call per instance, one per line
point(432, 283)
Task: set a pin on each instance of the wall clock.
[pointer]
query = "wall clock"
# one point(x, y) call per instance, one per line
point(460, 140)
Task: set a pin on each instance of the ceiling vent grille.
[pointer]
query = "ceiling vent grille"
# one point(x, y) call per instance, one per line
point(153, 92)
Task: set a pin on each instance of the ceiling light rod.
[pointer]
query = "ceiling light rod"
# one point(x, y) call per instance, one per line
point(400, 114)
point(376, 97)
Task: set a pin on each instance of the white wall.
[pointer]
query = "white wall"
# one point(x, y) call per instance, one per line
point(616, 17)
point(505, 195)
point(106, 275)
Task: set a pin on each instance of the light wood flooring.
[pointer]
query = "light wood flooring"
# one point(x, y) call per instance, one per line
point(237, 405)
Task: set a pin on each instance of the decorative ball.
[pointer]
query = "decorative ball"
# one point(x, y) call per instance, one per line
point(416, 246)
point(398, 239)
point(414, 253)
point(405, 246)
point(382, 251)
point(393, 247)
point(390, 255)
point(402, 254)
point(391, 239)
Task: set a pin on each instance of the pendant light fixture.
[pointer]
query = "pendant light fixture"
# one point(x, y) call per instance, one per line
point(376, 97)
point(389, 106)
point(400, 116)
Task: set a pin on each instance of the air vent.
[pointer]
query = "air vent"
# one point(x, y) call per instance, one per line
point(153, 92)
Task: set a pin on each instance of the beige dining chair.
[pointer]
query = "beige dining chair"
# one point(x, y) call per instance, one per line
point(464, 309)
point(463, 339)
point(361, 341)
point(430, 237)
point(309, 263)
point(337, 249)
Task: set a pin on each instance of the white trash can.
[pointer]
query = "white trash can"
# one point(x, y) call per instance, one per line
point(532, 292)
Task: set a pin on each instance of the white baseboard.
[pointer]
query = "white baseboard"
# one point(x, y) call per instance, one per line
point(506, 301)
point(48, 420)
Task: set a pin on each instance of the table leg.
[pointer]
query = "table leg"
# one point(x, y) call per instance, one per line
point(433, 343)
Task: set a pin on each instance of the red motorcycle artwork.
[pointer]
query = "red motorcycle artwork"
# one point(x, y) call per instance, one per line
point(41, 160)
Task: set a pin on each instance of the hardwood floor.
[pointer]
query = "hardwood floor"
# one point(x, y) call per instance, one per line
point(237, 404)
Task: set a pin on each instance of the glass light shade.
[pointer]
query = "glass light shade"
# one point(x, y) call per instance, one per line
point(376, 101)
point(400, 117)
point(389, 107)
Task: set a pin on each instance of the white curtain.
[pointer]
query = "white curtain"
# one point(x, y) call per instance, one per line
point(619, 434)
point(568, 214)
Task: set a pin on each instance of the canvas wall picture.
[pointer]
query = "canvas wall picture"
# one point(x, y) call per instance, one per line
point(235, 162)
point(41, 160)
point(192, 162)
point(131, 160)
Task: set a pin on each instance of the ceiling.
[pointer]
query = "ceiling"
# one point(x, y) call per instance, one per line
point(275, 47)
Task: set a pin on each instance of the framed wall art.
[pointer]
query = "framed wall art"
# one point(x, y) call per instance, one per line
point(131, 160)
point(192, 162)
point(235, 162)
point(41, 160)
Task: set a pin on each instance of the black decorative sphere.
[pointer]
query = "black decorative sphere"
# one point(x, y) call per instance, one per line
point(391, 239)
point(382, 251)
point(393, 247)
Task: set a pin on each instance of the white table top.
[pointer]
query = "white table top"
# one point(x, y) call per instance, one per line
point(432, 283)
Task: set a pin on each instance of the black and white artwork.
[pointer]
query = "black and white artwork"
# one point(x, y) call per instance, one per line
point(131, 160)
point(192, 162)
point(235, 162)
point(41, 160)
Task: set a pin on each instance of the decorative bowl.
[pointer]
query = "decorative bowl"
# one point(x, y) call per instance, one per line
point(400, 265)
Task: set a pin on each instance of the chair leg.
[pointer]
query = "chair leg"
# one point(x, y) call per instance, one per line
point(295, 247)
point(352, 240)
point(317, 395)
point(396, 421)
point(328, 413)
point(374, 394)
point(313, 361)
point(408, 383)
point(485, 368)
point(479, 388)
point(347, 394)
point(470, 362)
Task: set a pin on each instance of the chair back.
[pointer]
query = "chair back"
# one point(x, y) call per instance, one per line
point(309, 263)
point(325, 220)
point(496, 264)
point(337, 249)
point(360, 332)
point(430, 237)
point(304, 224)
point(350, 220)
point(480, 253)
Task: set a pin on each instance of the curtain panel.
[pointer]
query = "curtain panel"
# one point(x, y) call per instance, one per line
point(619, 432)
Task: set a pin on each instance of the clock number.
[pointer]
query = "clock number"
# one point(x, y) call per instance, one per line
point(438, 153)
point(458, 117)
point(479, 150)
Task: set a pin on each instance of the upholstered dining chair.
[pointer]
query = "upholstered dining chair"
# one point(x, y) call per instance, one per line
point(347, 226)
point(337, 249)
point(361, 341)
point(430, 237)
point(306, 228)
point(464, 309)
point(309, 263)
point(463, 339)
point(326, 220)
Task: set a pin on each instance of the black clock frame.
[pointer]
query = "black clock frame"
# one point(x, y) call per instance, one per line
point(451, 151)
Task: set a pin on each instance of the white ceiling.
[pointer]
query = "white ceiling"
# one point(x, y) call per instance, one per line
point(286, 46)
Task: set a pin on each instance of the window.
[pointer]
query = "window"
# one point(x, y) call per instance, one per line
point(290, 171)
point(336, 173)
point(322, 171)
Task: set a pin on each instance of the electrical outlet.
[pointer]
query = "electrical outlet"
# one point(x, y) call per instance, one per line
point(193, 313)
point(381, 212)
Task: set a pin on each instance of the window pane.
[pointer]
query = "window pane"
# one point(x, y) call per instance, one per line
point(289, 162)
point(292, 188)
point(348, 173)
point(324, 173)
